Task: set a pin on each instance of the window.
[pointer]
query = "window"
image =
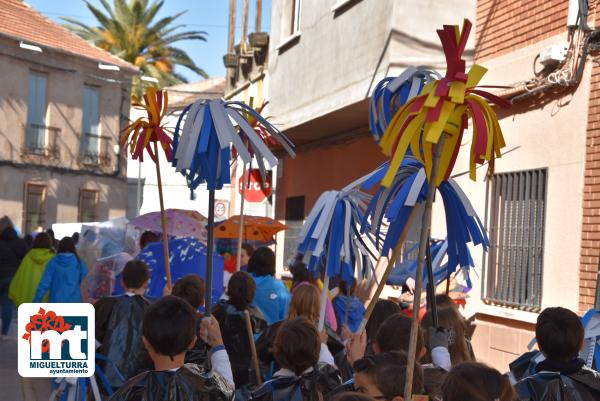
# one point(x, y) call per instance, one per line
point(294, 219)
point(35, 131)
point(35, 207)
point(516, 210)
point(295, 16)
point(90, 137)
point(88, 205)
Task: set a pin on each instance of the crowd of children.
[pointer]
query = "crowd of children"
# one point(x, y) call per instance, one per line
point(167, 350)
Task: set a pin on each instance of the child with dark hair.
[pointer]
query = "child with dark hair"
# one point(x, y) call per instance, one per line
point(230, 314)
point(246, 254)
point(119, 325)
point(148, 237)
point(63, 275)
point(477, 382)
point(169, 329)
point(272, 296)
point(458, 346)
point(394, 335)
point(191, 288)
point(562, 375)
point(303, 374)
point(383, 376)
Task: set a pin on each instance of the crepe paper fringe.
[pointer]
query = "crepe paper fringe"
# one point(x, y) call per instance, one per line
point(391, 206)
point(144, 131)
point(214, 132)
point(393, 92)
point(331, 238)
point(444, 106)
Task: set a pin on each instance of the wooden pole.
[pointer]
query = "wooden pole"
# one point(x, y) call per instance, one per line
point(231, 35)
point(321, 325)
point(252, 347)
point(423, 243)
point(241, 232)
point(209, 252)
point(431, 285)
point(244, 21)
point(388, 269)
point(258, 17)
point(163, 219)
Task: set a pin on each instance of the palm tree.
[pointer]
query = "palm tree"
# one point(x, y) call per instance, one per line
point(129, 31)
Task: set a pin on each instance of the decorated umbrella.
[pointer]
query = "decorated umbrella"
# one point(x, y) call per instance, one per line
point(331, 238)
point(179, 223)
point(203, 148)
point(255, 228)
point(140, 135)
point(432, 125)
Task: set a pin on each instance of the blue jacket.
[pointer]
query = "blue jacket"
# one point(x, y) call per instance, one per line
point(62, 277)
point(272, 298)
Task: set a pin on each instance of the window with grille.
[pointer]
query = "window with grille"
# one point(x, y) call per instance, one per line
point(516, 210)
point(88, 205)
point(35, 131)
point(35, 207)
point(90, 137)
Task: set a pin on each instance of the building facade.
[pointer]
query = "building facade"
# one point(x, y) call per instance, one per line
point(540, 208)
point(63, 103)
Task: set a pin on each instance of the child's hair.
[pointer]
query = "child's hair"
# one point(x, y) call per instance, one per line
point(190, 288)
point(475, 381)
point(443, 300)
point(42, 241)
point(352, 396)
point(383, 309)
point(305, 302)
point(559, 334)
point(297, 345)
point(300, 273)
point(148, 237)
point(169, 325)
point(248, 248)
point(135, 274)
point(262, 262)
point(241, 289)
point(394, 334)
point(450, 319)
point(67, 245)
point(387, 371)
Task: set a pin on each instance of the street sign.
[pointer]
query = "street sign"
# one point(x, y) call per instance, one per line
point(257, 190)
point(221, 209)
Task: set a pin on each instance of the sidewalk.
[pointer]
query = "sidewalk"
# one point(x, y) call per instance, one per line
point(12, 386)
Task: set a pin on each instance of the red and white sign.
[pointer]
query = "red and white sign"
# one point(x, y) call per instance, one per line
point(257, 190)
point(221, 209)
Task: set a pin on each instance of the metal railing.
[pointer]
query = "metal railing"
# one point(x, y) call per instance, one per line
point(514, 272)
point(95, 150)
point(41, 140)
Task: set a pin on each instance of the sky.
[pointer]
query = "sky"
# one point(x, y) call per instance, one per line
point(210, 16)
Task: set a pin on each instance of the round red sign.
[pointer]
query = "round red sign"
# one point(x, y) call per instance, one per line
point(256, 189)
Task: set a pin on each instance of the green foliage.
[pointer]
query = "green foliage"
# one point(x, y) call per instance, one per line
point(130, 30)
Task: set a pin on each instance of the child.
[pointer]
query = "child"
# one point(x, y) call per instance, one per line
point(272, 296)
point(394, 335)
point(477, 382)
point(63, 275)
point(298, 351)
point(559, 334)
point(191, 289)
point(383, 376)
point(231, 317)
point(169, 329)
point(119, 325)
point(458, 345)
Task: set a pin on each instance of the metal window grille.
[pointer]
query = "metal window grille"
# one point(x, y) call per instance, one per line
point(88, 205)
point(35, 207)
point(516, 219)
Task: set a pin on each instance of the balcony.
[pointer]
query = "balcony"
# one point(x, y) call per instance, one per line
point(95, 150)
point(41, 141)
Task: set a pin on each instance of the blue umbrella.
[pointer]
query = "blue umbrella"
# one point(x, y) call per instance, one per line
point(203, 149)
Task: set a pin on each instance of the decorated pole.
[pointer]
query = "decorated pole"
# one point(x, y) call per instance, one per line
point(163, 221)
point(431, 285)
point(241, 236)
point(139, 135)
point(210, 251)
point(423, 246)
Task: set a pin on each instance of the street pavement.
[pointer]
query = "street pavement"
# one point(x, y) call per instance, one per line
point(12, 386)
